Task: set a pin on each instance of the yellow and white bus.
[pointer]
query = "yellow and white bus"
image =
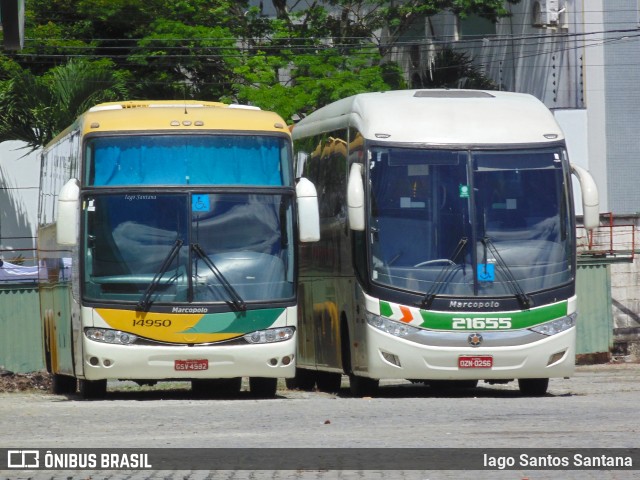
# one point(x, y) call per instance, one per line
point(166, 243)
point(447, 251)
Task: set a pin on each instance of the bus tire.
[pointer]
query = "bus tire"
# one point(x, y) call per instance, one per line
point(329, 382)
point(262, 387)
point(533, 387)
point(304, 380)
point(362, 386)
point(63, 384)
point(216, 387)
point(92, 389)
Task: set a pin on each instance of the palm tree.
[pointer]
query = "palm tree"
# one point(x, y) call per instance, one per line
point(35, 109)
point(452, 68)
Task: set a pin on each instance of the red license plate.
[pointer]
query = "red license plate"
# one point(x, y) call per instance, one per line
point(186, 365)
point(475, 361)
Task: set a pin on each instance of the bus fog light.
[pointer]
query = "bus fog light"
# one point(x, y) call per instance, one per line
point(273, 362)
point(556, 357)
point(391, 358)
point(286, 360)
point(389, 326)
point(270, 335)
point(556, 326)
point(107, 335)
point(94, 361)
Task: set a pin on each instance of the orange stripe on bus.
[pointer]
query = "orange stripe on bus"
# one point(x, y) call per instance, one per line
point(407, 316)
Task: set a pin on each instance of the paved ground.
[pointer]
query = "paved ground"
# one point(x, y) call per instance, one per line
point(597, 408)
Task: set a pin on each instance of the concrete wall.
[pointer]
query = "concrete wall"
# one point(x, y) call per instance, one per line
point(19, 182)
point(622, 97)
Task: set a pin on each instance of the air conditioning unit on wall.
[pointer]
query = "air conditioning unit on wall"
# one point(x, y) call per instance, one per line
point(546, 13)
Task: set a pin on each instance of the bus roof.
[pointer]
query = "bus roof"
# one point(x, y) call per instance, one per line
point(178, 115)
point(438, 117)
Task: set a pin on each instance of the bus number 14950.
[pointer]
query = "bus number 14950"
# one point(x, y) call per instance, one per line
point(152, 323)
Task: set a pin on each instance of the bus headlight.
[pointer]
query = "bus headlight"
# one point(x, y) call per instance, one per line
point(389, 326)
point(270, 335)
point(556, 326)
point(106, 335)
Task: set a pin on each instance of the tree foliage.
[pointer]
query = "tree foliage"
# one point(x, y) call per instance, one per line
point(36, 108)
point(310, 53)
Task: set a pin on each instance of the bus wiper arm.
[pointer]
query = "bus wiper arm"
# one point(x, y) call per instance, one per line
point(516, 289)
point(144, 302)
point(235, 297)
point(441, 278)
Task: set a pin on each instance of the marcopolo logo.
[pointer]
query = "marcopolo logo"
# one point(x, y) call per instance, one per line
point(189, 310)
point(473, 304)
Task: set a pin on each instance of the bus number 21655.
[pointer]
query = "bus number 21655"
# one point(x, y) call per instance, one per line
point(481, 323)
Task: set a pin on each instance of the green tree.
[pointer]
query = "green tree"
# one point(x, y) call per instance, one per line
point(298, 83)
point(310, 57)
point(216, 49)
point(176, 60)
point(35, 109)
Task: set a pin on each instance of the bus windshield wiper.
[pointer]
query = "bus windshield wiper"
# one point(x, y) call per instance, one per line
point(145, 301)
point(516, 289)
point(236, 299)
point(441, 279)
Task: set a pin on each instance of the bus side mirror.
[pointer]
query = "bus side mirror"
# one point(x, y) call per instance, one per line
point(355, 197)
point(590, 202)
point(308, 213)
point(68, 213)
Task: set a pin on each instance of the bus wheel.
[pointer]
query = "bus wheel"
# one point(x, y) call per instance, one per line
point(63, 384)
point(329, 382)
point(533, 387)
point(362, 386)
point(216, 387)
point(261, 387)
point(92, 389)
point(304, 380)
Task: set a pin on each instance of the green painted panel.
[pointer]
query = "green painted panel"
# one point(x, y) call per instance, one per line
point(21, 332)
point(595, 316)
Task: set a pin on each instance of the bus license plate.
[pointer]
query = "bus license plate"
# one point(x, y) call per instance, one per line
point(186, 365)
point(475, 361)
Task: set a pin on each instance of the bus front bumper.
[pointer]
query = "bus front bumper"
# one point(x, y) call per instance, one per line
point(392, 357)
point(175, 362)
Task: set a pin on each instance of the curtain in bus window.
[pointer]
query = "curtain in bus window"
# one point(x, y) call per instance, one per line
point(186, 159)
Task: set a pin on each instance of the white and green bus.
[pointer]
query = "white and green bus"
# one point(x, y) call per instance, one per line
point(166, 243)
point(447, 251)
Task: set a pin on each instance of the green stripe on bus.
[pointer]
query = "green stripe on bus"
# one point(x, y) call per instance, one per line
point(236, 322)
point(517, 320)
point(385, 309)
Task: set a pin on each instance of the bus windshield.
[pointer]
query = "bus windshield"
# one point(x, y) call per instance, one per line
point(190, 247)
point(193, 159)
point(479, 223)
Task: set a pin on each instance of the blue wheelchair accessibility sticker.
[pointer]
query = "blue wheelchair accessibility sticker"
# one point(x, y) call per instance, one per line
point(486, 272)
point(200, 203)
